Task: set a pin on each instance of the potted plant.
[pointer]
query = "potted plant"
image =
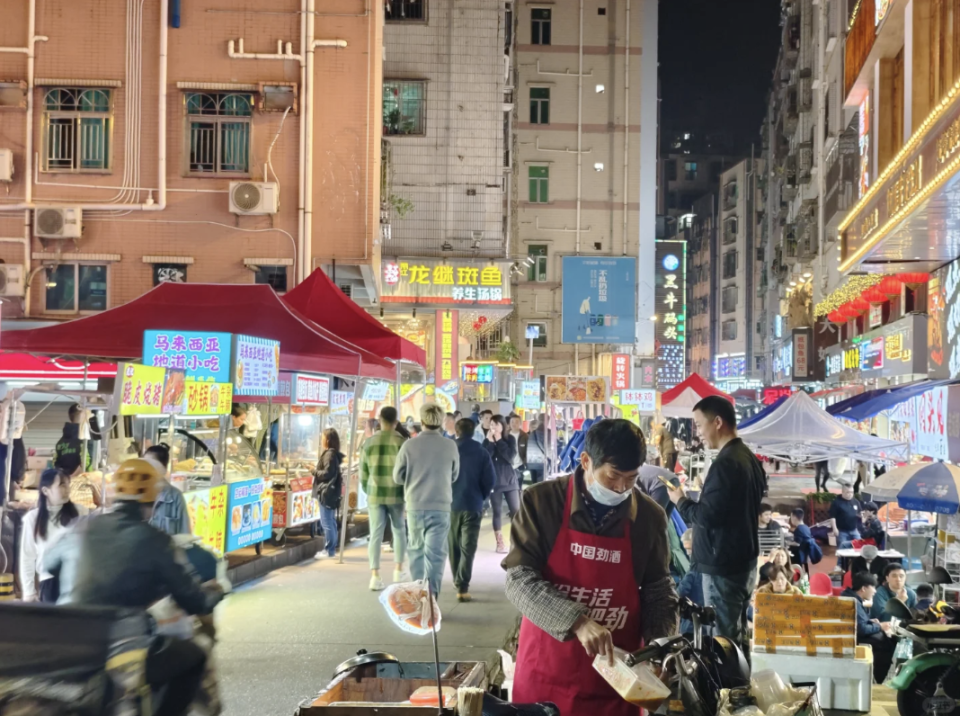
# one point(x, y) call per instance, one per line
point(818, 507)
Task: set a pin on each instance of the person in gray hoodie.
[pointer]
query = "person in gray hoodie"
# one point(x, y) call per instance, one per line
point(427, 466)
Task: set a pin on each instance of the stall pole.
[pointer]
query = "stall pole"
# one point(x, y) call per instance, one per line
point(909, 536)
point(396, 390)
point(8, 463)
point(83, 405)
point(267, 436)
point(345, 505)
point(530, 341)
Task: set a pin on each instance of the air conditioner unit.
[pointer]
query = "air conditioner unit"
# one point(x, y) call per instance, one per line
point(12, 280)
point(58, 223)
point(254, 197)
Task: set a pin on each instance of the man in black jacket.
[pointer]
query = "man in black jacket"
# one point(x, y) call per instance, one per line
point(726, 544)
point(476, 481)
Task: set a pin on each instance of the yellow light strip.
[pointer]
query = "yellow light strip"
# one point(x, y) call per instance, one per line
point(853, 17)
point(920, 197)
point(893, 167)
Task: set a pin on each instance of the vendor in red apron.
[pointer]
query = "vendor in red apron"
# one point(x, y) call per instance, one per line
point(588, 570)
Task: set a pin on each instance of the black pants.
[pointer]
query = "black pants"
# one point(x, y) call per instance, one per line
point(669, 461)
point(496, 503)
point(49, 591)
point(883, 648)
point(821, 475)
point(464, 533)
point(178, 665)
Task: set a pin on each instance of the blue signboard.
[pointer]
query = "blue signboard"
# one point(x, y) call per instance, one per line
point(249, 513)
point(599, 300)
point(203, 355)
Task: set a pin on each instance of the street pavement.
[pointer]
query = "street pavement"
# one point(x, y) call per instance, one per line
point(281, 637)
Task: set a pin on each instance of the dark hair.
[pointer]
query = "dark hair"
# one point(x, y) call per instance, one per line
point(333, 439)
point(798, 513)
point(774, 569)
point(498, 419)
point(714, 406)
point(924, 591)
point(863, 579)
point(616, 442)
point(73, 412)
point(870, 507)
point(892, 567)
point(388, 414)
point(68, 512)
point(466, 428)
point(456, 413)
point(237, 410)
point(764, 507)
point(451, 415)
point(485, 412)
point(160, 452)
point(68, 462)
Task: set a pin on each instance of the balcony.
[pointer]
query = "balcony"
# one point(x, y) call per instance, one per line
point(841, 185)
point(788, 190)
point(730, 195)
point(805, 162)
point(806, 91)
point(791, 40)
point(791, 111)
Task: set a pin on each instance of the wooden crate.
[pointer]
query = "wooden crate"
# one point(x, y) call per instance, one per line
point(379, 688)
point(807, 626)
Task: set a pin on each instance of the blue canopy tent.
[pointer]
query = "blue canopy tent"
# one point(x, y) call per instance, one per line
point(763, 413)
point(866, 405)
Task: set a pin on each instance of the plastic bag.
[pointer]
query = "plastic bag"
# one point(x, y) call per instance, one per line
point(408, 605)
point(637, 684)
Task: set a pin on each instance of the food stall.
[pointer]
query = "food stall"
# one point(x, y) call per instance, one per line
point(570, 402)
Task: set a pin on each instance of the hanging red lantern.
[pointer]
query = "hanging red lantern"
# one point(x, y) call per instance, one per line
point(849, 311)
point(476, 325)
point(890, 285)
point(482, 320)
point(860, 304)
point(837, 317)
point(874, 295)
point(914, 278)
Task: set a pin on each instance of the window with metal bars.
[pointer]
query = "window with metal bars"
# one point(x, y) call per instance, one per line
point(404, 108)
point(488, 343)
point(401, 10)
point(77, 124)
point(218, 140)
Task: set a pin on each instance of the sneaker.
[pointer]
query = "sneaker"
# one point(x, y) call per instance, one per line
point(388, 548)
point(464, 597)
point(400, 576)
point(321, 555)
point(501, 547)
point(376, 584)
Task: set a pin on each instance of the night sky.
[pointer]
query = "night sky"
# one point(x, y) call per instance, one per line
point(716, 64)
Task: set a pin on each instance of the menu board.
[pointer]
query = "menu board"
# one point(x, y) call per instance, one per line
point(340, 402)
point(311, 390)
point(204, 355)
point(530, 395)
point(474, 373)
point(249, 513)
point(576, 389)
point(208, 516)
point(297, 505)
point(376, 390)
point(258, 366)
point(209, 398)
point(142, 390)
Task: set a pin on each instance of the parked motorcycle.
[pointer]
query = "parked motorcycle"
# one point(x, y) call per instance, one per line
point(696, 670)
point(929, 682)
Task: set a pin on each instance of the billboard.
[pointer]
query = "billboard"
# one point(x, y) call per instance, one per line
point(670, 300)
point(599, 300)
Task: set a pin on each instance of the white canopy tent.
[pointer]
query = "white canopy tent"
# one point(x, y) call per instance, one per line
point(800, 431)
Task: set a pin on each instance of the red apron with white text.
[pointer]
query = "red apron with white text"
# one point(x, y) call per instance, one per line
point(598, 573)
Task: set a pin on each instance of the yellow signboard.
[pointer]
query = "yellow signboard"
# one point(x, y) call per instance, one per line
point(208, 516)
point(142, 389)
point(209, 398)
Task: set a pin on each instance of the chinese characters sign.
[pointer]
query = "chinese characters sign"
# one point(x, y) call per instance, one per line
point(204, 355)
point(433, 281)
point(340, 402)
point(258, 366)
point(621, 371)
point(772, 395)
point(209, 398)
point(249, 513)
point(207, 510)
point(599, 300)
point(376, 390)
point(801, 353)
point(446, 365)
point(645, 400)
point(142, 389)
point(477, 372)
point(670, 291)
point(311, 390)
point(530, 395)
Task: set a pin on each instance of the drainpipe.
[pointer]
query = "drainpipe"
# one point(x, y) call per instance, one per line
point(821, 156)
point(626, 129)
point(301, 183)
point(579, 130)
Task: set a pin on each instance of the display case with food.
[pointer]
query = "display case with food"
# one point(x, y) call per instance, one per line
point(573, 404)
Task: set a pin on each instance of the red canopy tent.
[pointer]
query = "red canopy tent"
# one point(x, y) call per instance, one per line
point(249, 310)
point(319, 299)
point(678, 402)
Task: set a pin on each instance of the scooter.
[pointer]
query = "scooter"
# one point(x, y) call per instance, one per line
point(929, 682)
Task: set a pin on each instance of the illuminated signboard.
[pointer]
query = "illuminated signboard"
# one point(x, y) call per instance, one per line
point(645, 400)
point(802, 340)
point(772, 395)
point(311, 390)
point(864, 144)
point(871, 354)
point(142, 389)
point(478, 372)
point(204, 355)
point(670, 292)
point(446, 364)
point(729, 367)
point(599, 300)
point(881, 9)
point(621, 371)
point(258, 366)
point(438, 281)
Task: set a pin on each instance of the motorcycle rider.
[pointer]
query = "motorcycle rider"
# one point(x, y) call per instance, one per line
point(125, 562)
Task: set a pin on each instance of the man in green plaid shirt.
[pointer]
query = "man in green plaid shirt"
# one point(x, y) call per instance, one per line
point(384, 496)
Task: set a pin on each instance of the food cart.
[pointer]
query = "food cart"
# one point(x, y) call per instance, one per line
point(571, 401)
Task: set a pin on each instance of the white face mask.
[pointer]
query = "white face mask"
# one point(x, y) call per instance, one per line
point(606, 496)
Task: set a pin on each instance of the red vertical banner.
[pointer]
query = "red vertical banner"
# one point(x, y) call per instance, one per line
point(621, 371)
point(447, 366)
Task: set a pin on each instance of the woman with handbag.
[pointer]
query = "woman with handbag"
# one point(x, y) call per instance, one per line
point(328, 488)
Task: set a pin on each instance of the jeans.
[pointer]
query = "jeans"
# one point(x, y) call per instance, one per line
point(496, 501)
point(379, 514)
point(328, 521)
point(178, 665)
point(730, 595)
point(464, 533)
point(429, 530)
point(845, 539)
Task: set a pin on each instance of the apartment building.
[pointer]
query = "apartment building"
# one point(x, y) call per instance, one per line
point(700, 233)
point(583, 158)
point(209, 142)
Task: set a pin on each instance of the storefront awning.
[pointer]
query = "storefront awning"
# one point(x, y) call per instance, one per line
point(254, 310)
point(320, 300)
point(21, 366)
point(866, 405)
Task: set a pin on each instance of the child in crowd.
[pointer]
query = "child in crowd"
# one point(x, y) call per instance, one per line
point(924, 597)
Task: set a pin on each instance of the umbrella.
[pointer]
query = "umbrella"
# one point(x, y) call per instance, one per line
point(925, 486)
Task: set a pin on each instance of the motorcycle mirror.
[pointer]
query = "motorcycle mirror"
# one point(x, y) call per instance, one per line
point(938, 575)
point(896, 608)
